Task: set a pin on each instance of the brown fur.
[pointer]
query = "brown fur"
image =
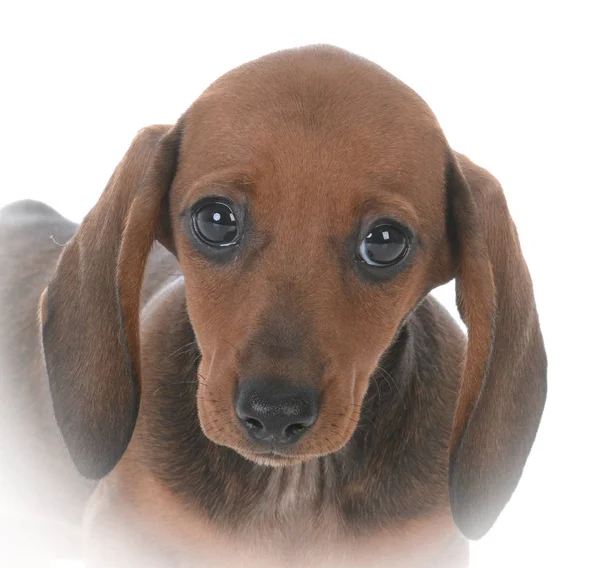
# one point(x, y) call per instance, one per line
point(419, 432)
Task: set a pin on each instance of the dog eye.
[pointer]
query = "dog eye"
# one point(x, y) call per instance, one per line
point(215, 224)
point(384, 245)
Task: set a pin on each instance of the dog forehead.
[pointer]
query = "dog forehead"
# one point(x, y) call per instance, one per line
point(317, 111)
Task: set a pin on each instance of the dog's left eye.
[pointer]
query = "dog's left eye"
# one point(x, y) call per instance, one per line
point(215, 224)
point(385, 244)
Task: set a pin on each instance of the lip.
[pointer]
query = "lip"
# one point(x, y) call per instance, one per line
point(272, 458)
point(272, 455)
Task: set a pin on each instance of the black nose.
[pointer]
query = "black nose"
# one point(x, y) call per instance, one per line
point(274, 410)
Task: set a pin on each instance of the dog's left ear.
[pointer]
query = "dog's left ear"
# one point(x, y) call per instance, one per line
point(503, 386)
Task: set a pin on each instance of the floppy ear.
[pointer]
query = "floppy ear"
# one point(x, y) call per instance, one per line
point(90, 310)
point(503, 388)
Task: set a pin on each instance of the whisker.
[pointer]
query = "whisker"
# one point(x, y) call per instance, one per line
point(374, 381)
point(176, 383)
point(180, 349)
point(363, 410)
point(389, 379)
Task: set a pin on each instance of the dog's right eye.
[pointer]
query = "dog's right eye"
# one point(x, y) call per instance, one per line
point(215, 224)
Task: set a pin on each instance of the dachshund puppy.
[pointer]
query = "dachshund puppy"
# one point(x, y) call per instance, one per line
point(239, 341)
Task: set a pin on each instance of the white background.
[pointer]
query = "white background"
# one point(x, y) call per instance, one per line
point(514, 87)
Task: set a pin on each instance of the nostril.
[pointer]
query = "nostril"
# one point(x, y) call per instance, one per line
point(295, 429)
point(254, 424)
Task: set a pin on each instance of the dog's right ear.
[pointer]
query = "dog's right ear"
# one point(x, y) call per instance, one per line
point(90, 310)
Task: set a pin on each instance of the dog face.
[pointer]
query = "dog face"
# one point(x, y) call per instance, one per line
point(312, 201)
point(293, 286)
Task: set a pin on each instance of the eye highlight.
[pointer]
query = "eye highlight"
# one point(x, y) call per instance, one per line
point(215, 224)
point(384, 245)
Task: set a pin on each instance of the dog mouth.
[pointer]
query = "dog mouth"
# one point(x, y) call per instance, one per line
point(276, 423)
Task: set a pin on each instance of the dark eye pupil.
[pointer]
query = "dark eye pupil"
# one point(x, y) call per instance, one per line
point(384, 245)
point(216, 224)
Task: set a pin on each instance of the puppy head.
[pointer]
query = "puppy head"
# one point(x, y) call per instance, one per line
point(306, 228)
point(312, 201)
